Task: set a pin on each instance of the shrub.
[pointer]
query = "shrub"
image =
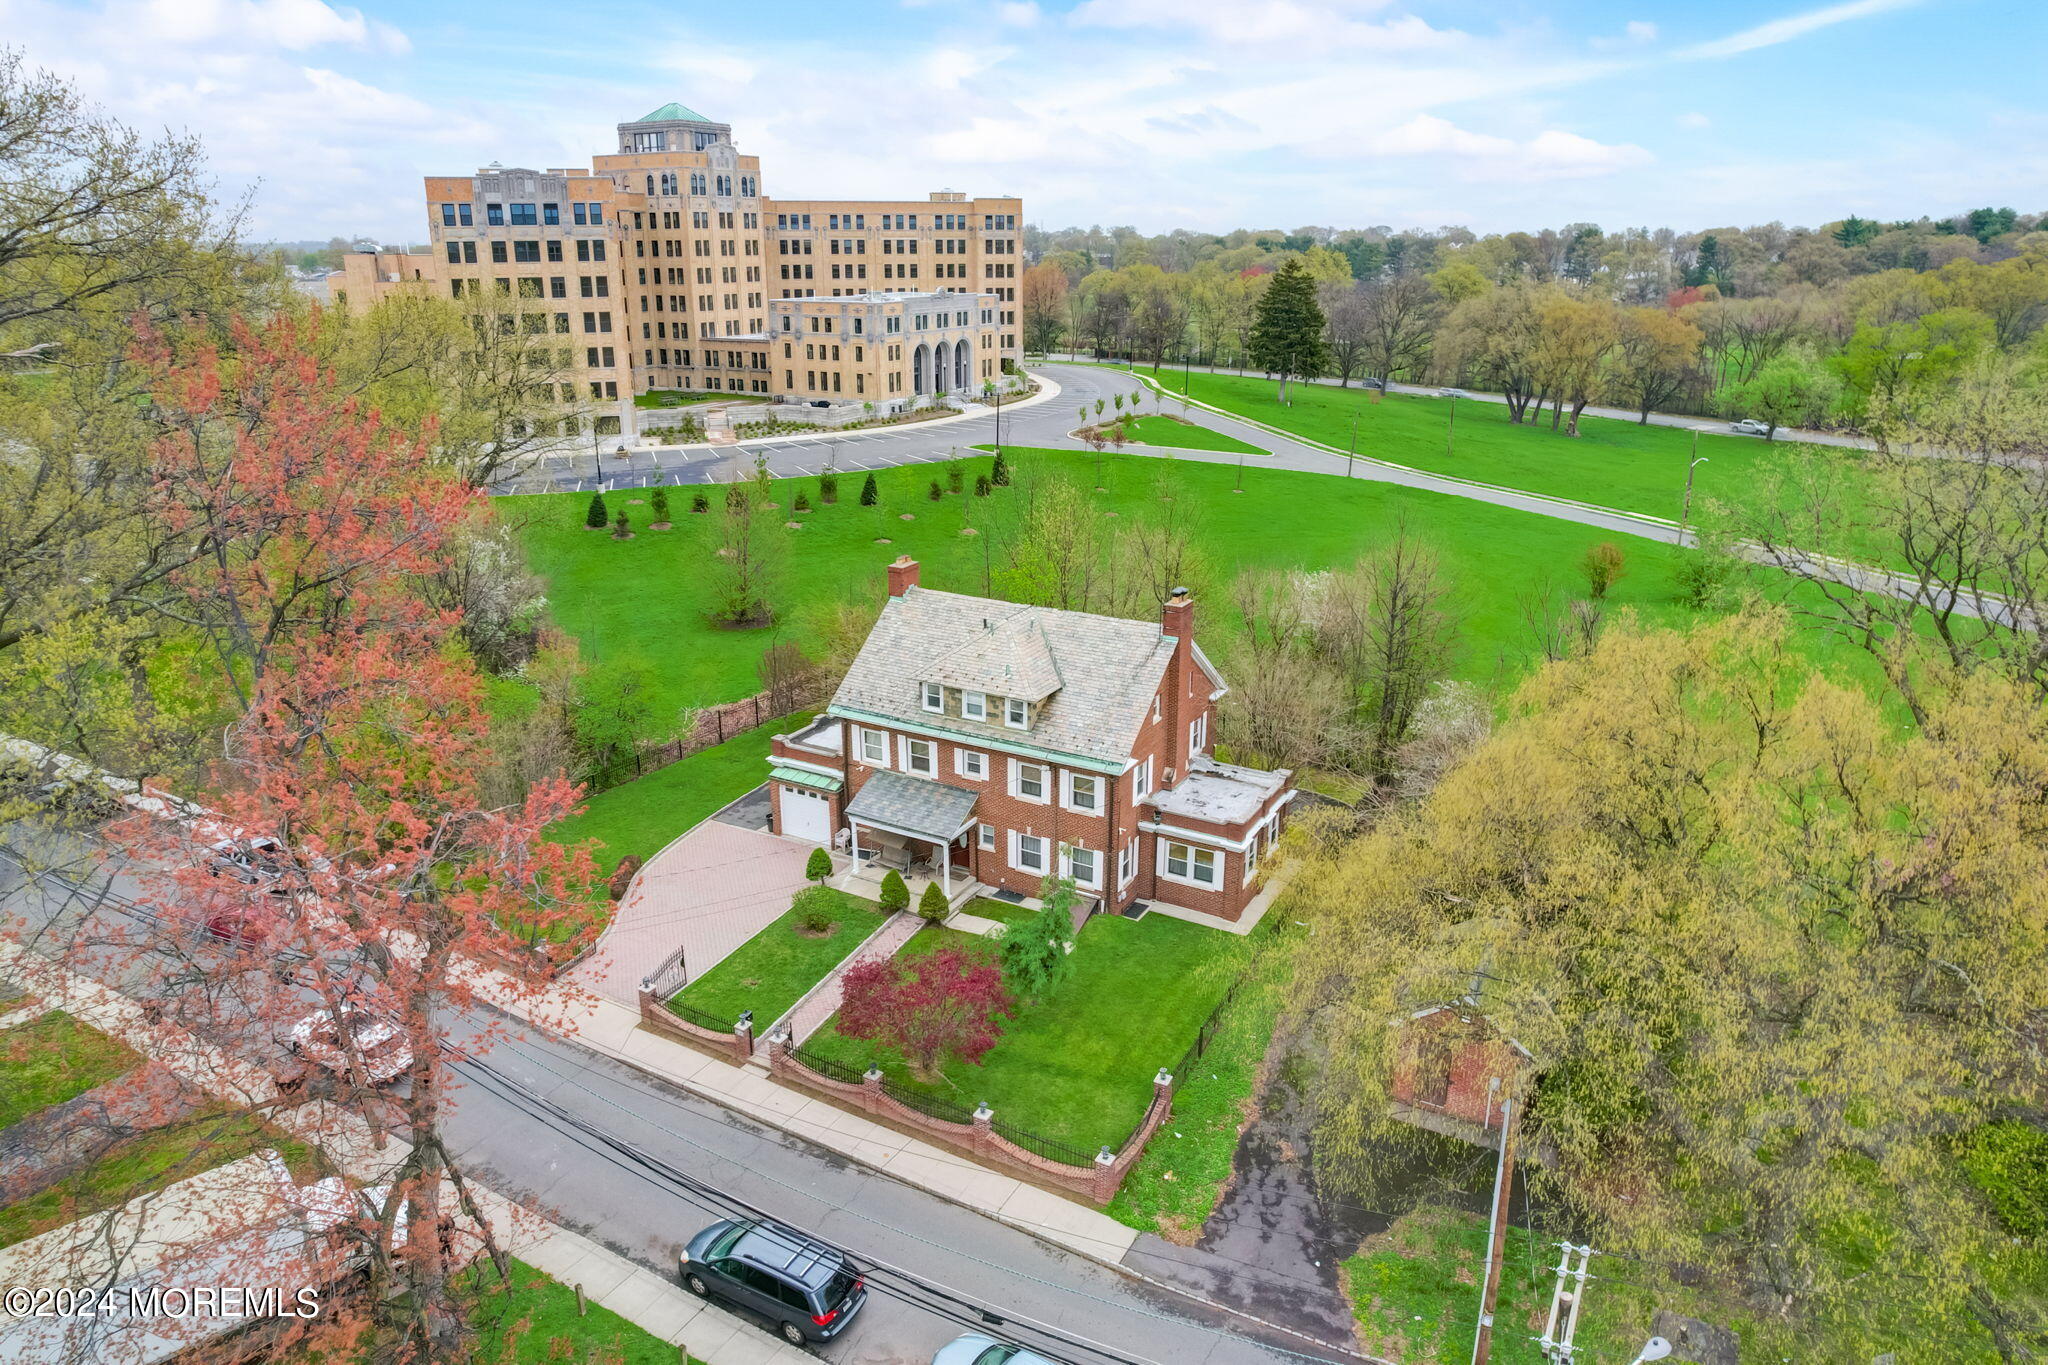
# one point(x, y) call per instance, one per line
point(596, 517)
point(940, 1006)
point(700, 502)
point(1034, 951)
point(1603, 564)
point(981, 485)
point(1701, 574)
point(657, 502)
point(869, 494)
point(621, 527)
point(802, 503)
point(622, 875)
point(828, 488)
point(999, 473)
point(819, 866)
point(931, 906)
point(736, 497)
point(817, 908)
point(956, 475)
point(895, 895)
point(936, 492)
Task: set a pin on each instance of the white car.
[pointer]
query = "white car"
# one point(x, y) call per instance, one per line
point(377, 1042)
point(1751, 426)
point(1452, 393)
point(976, 1349)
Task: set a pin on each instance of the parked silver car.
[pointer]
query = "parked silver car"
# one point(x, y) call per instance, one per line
point(976, 1349)
point(1751, 426)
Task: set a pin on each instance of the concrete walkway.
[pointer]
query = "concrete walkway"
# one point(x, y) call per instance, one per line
point(821, 1002)
point(708, 892)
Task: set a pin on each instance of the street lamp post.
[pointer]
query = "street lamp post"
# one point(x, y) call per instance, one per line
point(1685, 510)
point(1352, 453)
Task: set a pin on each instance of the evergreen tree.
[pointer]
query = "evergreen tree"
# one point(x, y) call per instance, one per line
point(597, 518)
point(818, 866)
point(895, 895)
point(657, 503)
point(869, 494)
point(1854, 231)
point(1034, 951)
point(1287, 330)
point(999, 475)
point(931, 906)
point(1707, 265)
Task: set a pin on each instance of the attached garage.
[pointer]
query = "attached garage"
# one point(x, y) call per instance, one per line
point(803, 804)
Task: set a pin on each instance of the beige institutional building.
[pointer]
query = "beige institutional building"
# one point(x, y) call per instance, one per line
point(666, 265)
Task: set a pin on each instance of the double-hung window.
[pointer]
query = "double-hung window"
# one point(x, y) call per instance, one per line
point(1028, 855)
point(1141, 780)
point(934, 697)
point(874, 748)
point(971, 763)
point(1016, 713)
point(1084, 865)
point(920, 756)
point(1028, 780)
point(973, 705)
point(988, 838)
point(1084, 793)
point(1198, 734)
point(1187, 863)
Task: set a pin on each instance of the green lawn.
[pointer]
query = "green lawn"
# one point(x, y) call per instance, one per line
point(151, 1161)
point(677, 398)
point(1078, 1066)
point(1612, 463)
point(1002, 912)
point(648, 597)
point(533, 1321)
point(771, 971)
point(1156, 429)
point(53, 1059)
point(641, 816)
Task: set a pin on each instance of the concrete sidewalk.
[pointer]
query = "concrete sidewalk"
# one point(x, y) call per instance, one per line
point(610, 1028)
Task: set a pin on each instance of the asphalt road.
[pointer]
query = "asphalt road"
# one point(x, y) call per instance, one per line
point(624, 1159)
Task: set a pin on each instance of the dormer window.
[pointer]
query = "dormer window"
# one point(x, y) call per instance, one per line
point(974, 706)
point(1016, 713)
point(934, 697)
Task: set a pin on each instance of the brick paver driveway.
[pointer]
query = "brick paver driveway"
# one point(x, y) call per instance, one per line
point(707, 893)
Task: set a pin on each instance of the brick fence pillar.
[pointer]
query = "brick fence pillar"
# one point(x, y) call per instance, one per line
point(743, 1037)
point(871, 1089)
point(984, 1118)
point(1104, 1179)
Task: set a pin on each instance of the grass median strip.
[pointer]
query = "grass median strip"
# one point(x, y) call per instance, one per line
point(771, 971)
point(533, 1321)
point(53, 1059)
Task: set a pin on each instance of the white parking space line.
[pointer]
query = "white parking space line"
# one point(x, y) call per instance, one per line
point(801, 470)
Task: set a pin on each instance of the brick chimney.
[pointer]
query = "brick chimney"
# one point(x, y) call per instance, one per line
point(902, 575)
point(1177, 618)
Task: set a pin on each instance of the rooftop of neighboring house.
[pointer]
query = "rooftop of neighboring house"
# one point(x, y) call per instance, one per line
point(1087, 680)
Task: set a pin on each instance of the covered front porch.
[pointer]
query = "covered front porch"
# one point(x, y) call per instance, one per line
point(920, 829)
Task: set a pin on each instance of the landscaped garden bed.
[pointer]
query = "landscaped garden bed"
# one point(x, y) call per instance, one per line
point(1078, 1066)
point(1159, 429)
point(771, 971)
point(677, 398)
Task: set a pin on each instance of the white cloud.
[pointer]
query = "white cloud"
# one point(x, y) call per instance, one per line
point(1694, 119)
point(1636, 33)
point(1321, 24)
point(1793, 26)
point(1551, 152)
point(1017, 14)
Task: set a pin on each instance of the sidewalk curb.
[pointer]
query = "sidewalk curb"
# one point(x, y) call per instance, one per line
point(1048, 389)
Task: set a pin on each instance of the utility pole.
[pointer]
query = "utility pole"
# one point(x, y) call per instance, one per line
point(1352, 453)
point(1497, 1226)
point(1556, 1340)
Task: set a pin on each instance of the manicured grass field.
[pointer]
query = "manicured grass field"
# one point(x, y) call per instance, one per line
point(649, 597)
point(771, 971)
point(1155, 429)
point(1611, 463)
point(1002, 912)
point(677, 398)
point(533, 1321)
point(149, 1162)
point(53, 1059)
point(644, 814)
point(1077, 1066)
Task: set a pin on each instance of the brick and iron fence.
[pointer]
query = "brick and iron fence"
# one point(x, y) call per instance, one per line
point(729, 1040)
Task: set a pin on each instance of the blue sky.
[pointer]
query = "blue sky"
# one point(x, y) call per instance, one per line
point(1209, 114)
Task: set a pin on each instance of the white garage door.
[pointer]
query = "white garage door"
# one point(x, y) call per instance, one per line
point(806, 815)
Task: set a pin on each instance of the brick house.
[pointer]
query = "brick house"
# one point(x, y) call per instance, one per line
point(986, 745)
point(1448, 1060)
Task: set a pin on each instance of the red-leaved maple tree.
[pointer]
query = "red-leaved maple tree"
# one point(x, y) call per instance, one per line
point(931, 1009)
point(340, 863)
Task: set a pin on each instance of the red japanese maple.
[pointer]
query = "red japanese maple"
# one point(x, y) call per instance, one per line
point(931, 1009)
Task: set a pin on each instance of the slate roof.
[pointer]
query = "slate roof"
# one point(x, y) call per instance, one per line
point(673, 111)
point(1011, 658)
point(1107, 670)
point(915, 805)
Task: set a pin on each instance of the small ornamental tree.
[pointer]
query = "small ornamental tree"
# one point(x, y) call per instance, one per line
point(999, 474)
point(828, 487)
point(939, 1007)
point(1603, 564)
point(700, 502)
point(819, 866)
point(1034, 951)
point(657, 504)
point(956, 475)
point(597, 518)
point(869, 494)
point(895, 895)
point(935, 493)
point(981, 485)
point(932, 906)
point(802, 503)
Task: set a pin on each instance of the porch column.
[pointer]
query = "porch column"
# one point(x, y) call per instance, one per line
point(853, 840)
point(946, 870)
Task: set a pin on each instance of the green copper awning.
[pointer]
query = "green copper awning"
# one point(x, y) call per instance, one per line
point(803, 778)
